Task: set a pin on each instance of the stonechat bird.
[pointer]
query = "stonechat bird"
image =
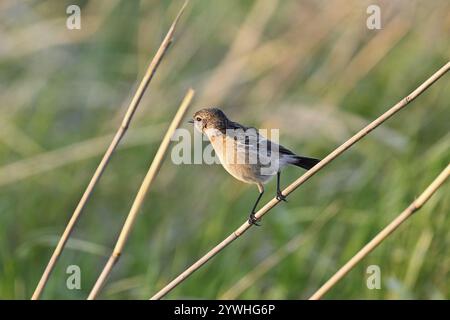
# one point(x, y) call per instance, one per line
point(245, 153)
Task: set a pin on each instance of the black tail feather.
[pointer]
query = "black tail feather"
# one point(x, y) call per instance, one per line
point(305, 162)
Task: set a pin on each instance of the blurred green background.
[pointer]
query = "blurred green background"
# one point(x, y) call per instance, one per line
point(310, 68)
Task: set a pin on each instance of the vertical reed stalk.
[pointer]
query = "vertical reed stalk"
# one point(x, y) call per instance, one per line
point(107, 156)
point(139, 200)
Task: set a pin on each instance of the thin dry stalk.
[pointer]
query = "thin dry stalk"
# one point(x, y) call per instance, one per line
point(380, 237)
point(272, 203)
point(107, 156)
point(139, 200)
point(64, 156)
point(275, 258)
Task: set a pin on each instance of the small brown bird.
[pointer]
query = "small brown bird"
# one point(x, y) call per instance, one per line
point(245, 154)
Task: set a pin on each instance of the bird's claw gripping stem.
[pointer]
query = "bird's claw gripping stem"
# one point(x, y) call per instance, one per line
point(280, 197)
point(253, 220)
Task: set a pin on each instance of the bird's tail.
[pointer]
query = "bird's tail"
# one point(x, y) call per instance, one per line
point(304, 162)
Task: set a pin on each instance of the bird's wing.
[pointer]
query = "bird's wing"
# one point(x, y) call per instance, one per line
point(252, 139)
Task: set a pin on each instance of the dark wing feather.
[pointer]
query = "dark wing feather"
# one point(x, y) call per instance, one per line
point(265, 144)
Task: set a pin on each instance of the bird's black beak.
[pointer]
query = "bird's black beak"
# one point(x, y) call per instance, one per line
point(191, 121)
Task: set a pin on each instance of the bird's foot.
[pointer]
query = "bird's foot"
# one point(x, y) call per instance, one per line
point(280, 196)
point(253, 220)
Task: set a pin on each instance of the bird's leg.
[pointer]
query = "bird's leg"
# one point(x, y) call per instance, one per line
point(252, 219)
point(279, 196)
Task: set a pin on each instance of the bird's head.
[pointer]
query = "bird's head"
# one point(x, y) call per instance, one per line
point(210, 118)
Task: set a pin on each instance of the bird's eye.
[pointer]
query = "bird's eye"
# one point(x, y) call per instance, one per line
point(198, 119)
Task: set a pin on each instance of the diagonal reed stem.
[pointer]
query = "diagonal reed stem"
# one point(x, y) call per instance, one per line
point(107, 156)
point(139, 200)
point(302, 179)
point(276, 257)
point(380, 237)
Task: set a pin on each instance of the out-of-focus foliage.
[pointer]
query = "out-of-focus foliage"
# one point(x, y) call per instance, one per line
point(310, 68)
